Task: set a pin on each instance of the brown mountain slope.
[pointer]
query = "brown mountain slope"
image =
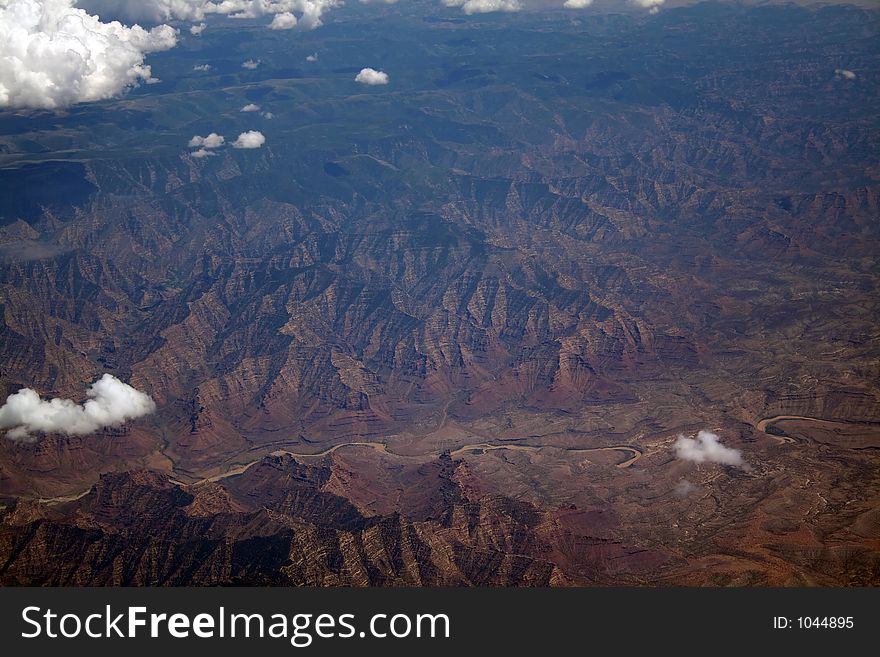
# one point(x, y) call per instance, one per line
point(448, 330)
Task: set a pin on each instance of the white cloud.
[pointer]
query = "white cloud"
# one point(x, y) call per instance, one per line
point(111, 403)
point(484, 6)
point(652, 5)
point(202, 153)
point(706, 448)
point(211, 141)
point(251, 64)
point(312, 58)
point(196, 30)
point(249, 139)
point(283, 11)
point(250, 107)
point(577, 4)
point(203, 68)
point(283, 21)
point(53, 54)
point(268, 115)
point(845, 74)
point(371, 77)
point(312, 12)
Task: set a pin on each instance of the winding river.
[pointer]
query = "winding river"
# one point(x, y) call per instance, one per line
point(762, 425)
point(633, 453)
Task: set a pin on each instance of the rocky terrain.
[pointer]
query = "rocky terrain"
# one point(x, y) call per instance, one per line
point(447, 331)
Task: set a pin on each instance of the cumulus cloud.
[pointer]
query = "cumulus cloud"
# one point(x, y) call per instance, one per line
point(283, 12)
point(249, 139)
point(577, 4)
point(652, 5)
point(845, 74)
point(211, 141)
point(484, 6)
point(251, 64)
point(203, 68)
point(312, 58)
point(371, 77)
point(283, 21)
point(203, 153)
point(250, 107)
point(707, 448)
point(196, 30)
point(53, 54)
point(111, 403)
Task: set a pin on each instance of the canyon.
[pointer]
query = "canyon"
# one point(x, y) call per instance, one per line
point(447, 332)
